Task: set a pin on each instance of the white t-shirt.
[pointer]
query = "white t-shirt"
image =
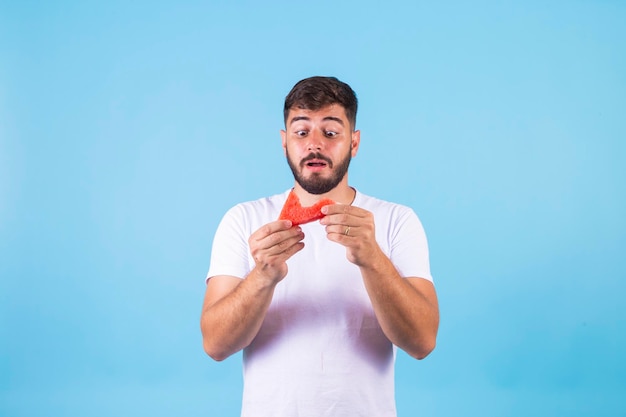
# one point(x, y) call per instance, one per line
point(320, 351)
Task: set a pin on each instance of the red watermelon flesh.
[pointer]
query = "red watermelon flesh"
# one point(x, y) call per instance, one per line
point(293, 210)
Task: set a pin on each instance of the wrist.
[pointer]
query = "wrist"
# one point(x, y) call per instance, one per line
point(263, 280)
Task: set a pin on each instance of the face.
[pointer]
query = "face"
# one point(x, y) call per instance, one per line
point(319, 145)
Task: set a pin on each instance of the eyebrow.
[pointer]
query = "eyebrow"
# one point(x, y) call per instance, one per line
point(327, 118)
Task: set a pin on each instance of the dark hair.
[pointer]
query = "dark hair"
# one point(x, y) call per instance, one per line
point(316, 92)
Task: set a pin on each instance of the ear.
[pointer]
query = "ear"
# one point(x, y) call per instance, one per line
point(356, 141)
point(283, 137)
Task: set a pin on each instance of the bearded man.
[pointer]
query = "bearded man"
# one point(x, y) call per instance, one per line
point(320, 308)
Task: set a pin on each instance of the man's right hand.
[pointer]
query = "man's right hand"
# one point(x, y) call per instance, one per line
point(272, 245)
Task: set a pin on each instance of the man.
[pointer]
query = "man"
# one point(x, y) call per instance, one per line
point(319, 308)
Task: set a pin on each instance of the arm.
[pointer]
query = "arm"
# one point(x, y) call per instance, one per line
point(406, 308)
point(234, 309)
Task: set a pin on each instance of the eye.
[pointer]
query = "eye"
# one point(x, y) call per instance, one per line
point(330, 133)
point(301, 133)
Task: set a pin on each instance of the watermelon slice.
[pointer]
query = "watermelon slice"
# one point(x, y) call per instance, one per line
point(293, 210)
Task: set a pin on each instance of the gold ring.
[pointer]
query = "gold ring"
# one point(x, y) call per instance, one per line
point(347, 232)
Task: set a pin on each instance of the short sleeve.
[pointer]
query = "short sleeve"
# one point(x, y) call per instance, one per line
point(409, 246)
point(230, 250)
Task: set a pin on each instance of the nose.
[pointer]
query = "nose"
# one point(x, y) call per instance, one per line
point(316, 141)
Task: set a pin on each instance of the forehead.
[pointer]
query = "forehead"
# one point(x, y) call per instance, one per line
point(333, 112)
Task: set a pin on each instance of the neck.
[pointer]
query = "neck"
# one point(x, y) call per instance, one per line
point(342, 194)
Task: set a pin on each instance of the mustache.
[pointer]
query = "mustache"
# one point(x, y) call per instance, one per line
point(316, 155)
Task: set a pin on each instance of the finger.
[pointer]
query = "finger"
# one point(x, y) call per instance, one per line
point(344, 209)
point(279, 253)
point(346, 215)
point(293, 249)
point(278, 241)
point(342, 230)
point(285, 245)
point(341, 238)
point(271, 228)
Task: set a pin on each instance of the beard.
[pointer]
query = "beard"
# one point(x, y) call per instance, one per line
point(316, 183)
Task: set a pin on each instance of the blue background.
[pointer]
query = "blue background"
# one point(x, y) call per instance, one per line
point(127, 129)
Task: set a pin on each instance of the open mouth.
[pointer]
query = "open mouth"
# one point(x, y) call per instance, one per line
point(316, 161)
point(316, 164)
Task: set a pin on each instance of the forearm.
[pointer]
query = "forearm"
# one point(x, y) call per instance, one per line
point(231, 323)
point(234, 309)
point(408, 316)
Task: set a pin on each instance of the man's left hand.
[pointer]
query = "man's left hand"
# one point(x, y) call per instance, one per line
point(352, 227)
